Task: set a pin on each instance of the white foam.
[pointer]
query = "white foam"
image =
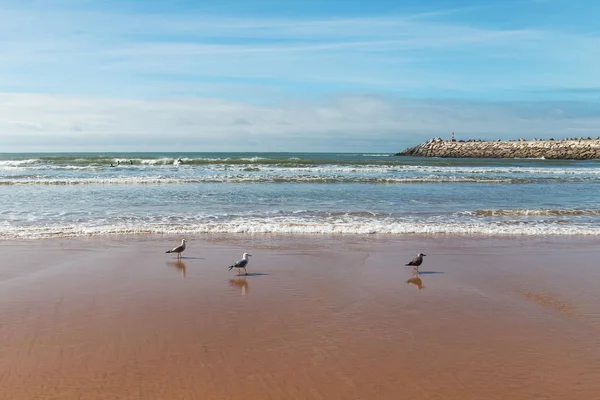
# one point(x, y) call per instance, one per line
point(303, 227)
point(251, 159)
point(18, 162)
point(158, 161)
point(532, 212)
point(388, 173)
point(12, 165)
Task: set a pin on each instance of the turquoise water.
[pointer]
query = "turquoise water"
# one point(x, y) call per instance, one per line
point(52, 195)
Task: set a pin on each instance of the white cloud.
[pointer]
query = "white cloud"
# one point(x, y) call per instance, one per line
point(346, 123)
point(73, 51)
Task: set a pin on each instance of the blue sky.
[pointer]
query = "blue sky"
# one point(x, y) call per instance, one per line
point(293, 75)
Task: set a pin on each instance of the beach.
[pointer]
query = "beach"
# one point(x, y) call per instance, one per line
point(318, 317)
point(147, 148)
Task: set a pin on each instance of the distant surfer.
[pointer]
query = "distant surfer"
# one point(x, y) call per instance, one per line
point(111, 165)
point(130, 162)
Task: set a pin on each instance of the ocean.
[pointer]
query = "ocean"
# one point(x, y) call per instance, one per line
point(80, 194)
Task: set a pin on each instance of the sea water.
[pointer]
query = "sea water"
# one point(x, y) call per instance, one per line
point(57, 195)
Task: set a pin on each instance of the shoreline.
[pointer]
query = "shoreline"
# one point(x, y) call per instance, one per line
point(317, 317)
point(427, 231)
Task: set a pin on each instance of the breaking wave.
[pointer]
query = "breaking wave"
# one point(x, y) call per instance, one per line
point(534, 212)
point(273, 226)
point(240, 178)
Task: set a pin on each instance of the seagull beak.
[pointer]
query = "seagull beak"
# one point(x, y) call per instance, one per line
point(249, 255)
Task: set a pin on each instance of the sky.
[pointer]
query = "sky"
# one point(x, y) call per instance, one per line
point(272, 75)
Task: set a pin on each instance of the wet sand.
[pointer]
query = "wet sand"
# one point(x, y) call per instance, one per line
point(317, 318)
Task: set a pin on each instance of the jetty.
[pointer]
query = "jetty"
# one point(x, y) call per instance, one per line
point(562, 149)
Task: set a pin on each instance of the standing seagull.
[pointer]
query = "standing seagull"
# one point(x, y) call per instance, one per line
point(241, 264)
point(179, 249)
point(417, 261)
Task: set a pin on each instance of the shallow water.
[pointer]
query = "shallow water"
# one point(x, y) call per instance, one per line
point(50, 195)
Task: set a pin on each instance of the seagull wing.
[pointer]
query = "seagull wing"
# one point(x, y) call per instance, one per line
point(239, 264)
point(415, 261)
point(177, 249)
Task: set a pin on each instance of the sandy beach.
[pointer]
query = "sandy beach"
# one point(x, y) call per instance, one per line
point(318, 317)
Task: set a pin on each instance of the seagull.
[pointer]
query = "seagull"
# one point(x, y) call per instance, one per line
point(242, 263)
point(179, 249)
point(417, 261)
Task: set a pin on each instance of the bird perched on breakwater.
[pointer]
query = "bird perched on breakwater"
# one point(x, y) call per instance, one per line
point(241, 264)
point(417, 261)
point(179, 249)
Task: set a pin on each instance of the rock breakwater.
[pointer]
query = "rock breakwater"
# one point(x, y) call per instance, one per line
point(564, 149)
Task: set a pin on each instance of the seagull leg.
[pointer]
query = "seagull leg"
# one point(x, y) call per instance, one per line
point(245, 271)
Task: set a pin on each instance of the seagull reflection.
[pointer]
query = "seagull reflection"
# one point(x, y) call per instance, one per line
point(180, 265)
point(416, 280)
point(241, 283)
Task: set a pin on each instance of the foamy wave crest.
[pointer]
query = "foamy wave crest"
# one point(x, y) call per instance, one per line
point(251, 178)
point(95, 181)
point(501, 170)
point(159, 161)
point(533, 212)
point(274, 226)
point(5, 164)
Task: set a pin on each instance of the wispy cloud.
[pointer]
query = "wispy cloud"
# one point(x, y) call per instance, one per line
point(119, 48)
point(568, 90)
point(344, 123)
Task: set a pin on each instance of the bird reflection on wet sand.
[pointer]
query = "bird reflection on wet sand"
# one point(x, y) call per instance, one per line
point(180, 265)
point(241, 283)
point(416, 280)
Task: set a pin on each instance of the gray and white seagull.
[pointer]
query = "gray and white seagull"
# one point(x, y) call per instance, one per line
point(179, 249)
point(241, 264)
point(417, 261)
